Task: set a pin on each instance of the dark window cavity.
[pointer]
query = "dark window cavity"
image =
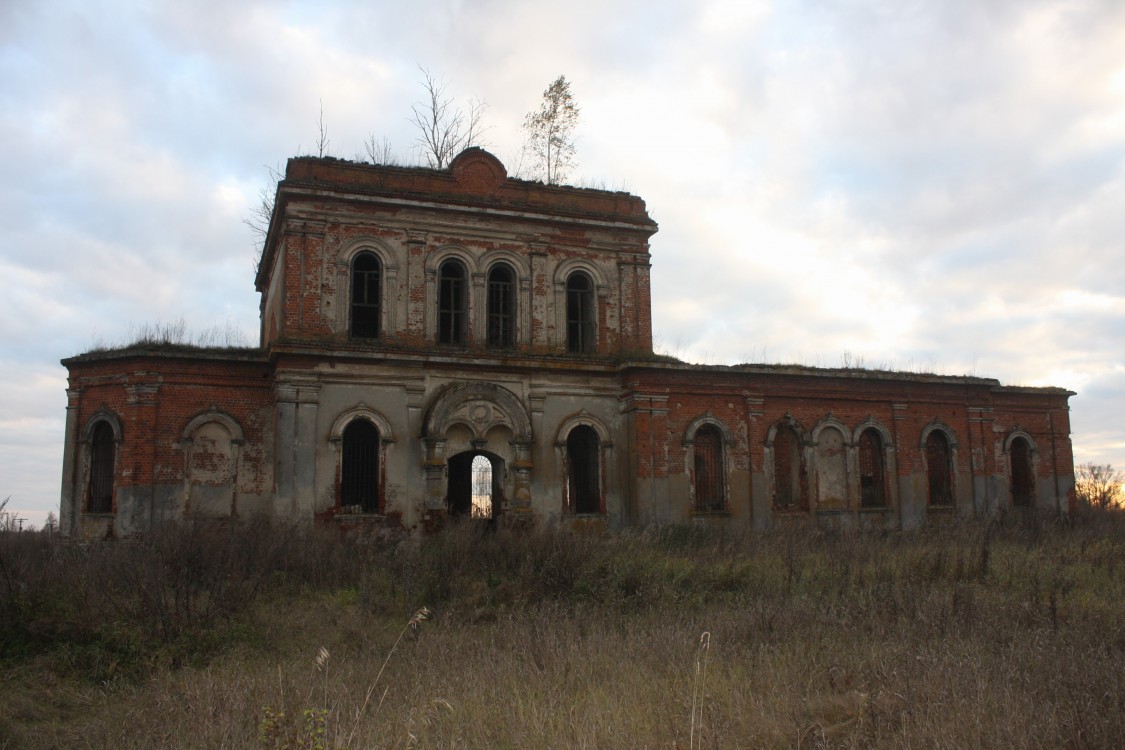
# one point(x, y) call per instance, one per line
point(1023, 477)
point(939, 469)
point(452, 303)
point(367, 296)
point(872, 472)
point(501, 307)
point(709, 495)
point(579, 314)
point(359, 476)
point(584, 470)
point(100, 491)
point(791, 484)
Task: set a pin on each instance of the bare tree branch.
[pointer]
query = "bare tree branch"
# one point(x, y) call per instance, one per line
point(444, 130)
point(474, 129)
point(379, 151)
point(261, 213)
point(321, 133)
point(1099, 486)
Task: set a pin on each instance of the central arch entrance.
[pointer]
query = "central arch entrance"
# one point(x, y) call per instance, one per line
point(475, 487)
point(487, 423)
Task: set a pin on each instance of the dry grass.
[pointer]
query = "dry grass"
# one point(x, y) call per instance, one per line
point(970, 637)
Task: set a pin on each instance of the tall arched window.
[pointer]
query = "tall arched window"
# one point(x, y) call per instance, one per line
point(791, 484)
point(939, 469)
point(710, 495)
point(501, 307)
point(579, 313)
point(99, 494)
point(872, 473)
point(452, 302)
point(359, 474)
point(1023, 476)
point(584, 470)
point(367, 296)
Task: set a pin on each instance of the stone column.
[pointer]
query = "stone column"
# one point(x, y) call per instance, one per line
point(522, 464)
point(415, 326)
point(304, 475)
point(69, 512)
point(433, 467)
point(285, 400)
point(478, 311)
point(537, 323)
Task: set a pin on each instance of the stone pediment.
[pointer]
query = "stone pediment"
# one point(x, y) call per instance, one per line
point(479, 406)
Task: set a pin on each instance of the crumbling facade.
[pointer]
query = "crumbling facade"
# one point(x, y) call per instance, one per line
point(456, 343)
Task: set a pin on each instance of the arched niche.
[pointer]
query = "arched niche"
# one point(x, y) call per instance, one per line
point(211, 442)
point(480, 407)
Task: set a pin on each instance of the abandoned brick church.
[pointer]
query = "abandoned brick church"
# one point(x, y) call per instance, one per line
point(445, 343)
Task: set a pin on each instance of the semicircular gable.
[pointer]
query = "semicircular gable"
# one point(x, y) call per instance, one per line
point(452, 252)
point(872, 424)
point(378, 247)
point(102, 415)
point(787, 421)
point(569, 266)
point(233, 428)
point(582, 417)
point(830, 423)
point(480, 406)
point(361, 411)
point(1017, 433)
point(944, 429)
point(705, 420)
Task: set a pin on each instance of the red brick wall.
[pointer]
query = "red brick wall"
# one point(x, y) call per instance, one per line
point(979, 412)
point(155, 397)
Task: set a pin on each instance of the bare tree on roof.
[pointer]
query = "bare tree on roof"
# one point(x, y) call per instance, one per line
point(444, 129)
point(321, 133)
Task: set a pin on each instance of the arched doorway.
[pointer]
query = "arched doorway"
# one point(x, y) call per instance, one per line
point(475, 487)
point(467, 420)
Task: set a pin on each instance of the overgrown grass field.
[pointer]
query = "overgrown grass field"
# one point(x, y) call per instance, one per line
point(264, 636)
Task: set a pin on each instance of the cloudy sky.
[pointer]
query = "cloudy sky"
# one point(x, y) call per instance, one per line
point(926, 186)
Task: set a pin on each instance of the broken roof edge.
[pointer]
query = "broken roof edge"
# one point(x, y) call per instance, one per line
point(474, 177)
point(857, 373)
point(168, 351)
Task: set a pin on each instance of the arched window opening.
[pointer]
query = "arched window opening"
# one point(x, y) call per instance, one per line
point(709, 474)
point(939, 469)
point(366, 296)
point(872, 473)
point(584, 470)
point(452, 303)
point(501, 307)
point(579, 314)
point(482, 487)
point(359, 480)
point(791, 484)
point(474, 488)
point(100, 491)
point(1023, 476)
